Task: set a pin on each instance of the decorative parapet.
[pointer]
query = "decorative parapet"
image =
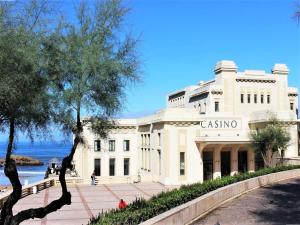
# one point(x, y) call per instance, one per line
point(255, 80)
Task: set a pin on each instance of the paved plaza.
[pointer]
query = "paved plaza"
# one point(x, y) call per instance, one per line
point(87, 201)
point(277, 205)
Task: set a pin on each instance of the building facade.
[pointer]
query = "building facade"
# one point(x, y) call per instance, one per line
point(203, 133)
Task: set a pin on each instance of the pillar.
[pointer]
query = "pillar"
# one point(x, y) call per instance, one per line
point(217, 161)
point(234, 160)
point(251, 160)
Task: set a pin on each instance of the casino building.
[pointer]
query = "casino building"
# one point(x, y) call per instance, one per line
point(203, 133)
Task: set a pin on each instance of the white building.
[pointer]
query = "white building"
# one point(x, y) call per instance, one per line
point(202, 134)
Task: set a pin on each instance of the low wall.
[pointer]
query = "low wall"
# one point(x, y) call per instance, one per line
point(193, 210)
point(38, 186)
point(29, 189)
point(291, 161)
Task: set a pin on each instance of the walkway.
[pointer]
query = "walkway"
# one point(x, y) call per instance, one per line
point(276, 204)
point(87, 201)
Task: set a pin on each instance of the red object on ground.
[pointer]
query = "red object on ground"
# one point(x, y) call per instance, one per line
point(122, 204)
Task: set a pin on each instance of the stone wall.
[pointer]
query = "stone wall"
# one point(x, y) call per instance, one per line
point(193, 210)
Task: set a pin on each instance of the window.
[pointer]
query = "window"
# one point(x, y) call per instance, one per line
point(97, 167)
point(255, 98)
point(126, 145)
point(112, 167)
point(268, 99)
point(292, 106)
point(216, 106)
point(242, 98)
point(261, 99)
point(111, 145)
point(149, 139)
point(97, 145)
point(182, 164)
point(126, 166)
point(248, 98)
point(159, 139)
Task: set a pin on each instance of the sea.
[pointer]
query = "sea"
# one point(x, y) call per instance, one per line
point(43, 151)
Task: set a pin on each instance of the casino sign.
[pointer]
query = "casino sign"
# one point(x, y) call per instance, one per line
point(221, 124)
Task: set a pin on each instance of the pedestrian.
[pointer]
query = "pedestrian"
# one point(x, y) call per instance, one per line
point(122, 204)
point(93, 178)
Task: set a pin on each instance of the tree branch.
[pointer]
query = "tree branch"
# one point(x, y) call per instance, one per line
point(11, 172)
point(55, 205)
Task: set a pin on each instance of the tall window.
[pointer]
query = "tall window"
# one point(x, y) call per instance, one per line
point(182, 163)
point(292, 106)
point(126, 166)
point(248, 98)
point(216, 106)
point(242, 98)
point(255, 98)
point(261, 99)
point(268, 99)
point(112, 163)
point(97, 145)
point(159, 139)
point(126, 145)
point(97, 167)
point(111, 145)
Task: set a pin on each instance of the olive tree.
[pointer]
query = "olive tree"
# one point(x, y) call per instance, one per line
point(269, 140)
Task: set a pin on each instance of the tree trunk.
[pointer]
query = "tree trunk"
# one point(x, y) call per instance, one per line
point(65, 198)
point(269, 157)
point(11, 172)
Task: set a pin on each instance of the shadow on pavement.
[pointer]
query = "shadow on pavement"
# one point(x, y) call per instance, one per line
point(282, 204)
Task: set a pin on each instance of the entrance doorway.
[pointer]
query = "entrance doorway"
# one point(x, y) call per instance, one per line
point(259, 162)
point(243, 161)
point(225, 163)
point(208, 166)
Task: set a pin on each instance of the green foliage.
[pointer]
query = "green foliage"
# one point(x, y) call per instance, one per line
point(22, 84)
point(142, 210)
point(273, 138)
point(92, 61)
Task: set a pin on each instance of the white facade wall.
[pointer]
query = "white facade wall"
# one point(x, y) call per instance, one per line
point(191, 126)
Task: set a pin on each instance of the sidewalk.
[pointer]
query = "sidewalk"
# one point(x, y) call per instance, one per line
point(87, 201)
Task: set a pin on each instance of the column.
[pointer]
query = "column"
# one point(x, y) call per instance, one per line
point(251, 160)
point(217, 161)
point(234, 160)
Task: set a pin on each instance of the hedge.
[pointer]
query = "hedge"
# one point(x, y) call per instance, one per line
point(141, 210)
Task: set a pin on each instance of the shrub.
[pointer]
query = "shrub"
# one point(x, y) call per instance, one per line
point(141, 210)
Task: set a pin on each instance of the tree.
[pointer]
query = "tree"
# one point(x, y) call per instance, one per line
point(24, 102)
point(88, 62)
point(271, 139)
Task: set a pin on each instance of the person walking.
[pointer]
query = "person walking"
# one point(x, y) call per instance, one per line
point(93, 178)
point(122, 204)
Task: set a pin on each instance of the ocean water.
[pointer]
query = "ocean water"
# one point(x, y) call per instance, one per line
point(41, 151)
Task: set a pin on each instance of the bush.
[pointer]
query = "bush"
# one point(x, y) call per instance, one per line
point(141, 210)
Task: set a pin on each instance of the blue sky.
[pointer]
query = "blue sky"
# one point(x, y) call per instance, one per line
point(181, 40)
